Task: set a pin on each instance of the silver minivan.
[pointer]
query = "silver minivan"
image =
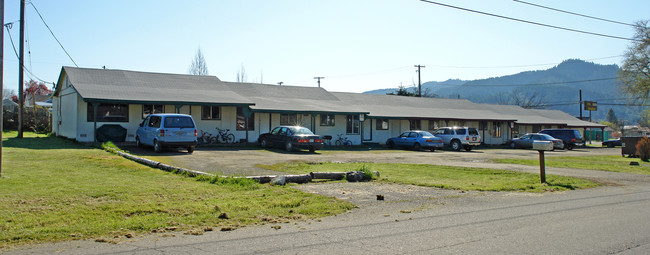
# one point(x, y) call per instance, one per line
point(167, 130)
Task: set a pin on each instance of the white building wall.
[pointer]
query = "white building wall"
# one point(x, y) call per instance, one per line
point(65, 117)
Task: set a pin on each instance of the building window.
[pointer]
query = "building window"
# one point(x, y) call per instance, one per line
point(289, 119)
point(327, 119)
point(352, 124)
point(497, 129)
point(433, 125)
point(241, 120)
point(151, 109)
point(382, 124)
point(414, 124)
point(210, 112)
point(109, 113)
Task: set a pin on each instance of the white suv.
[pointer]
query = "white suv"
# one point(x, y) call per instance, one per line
point(459, 137)
point(167, 130)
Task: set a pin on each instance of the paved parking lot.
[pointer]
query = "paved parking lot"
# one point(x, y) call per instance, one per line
point(242, 160)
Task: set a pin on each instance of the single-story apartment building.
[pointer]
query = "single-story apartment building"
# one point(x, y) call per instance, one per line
point(85, 99)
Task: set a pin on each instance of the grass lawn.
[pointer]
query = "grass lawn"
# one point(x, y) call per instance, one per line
point(54, 189)
point(447, 177)
point(603, 163)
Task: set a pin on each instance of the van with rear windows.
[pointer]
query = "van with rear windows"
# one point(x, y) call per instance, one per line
point(167, 130)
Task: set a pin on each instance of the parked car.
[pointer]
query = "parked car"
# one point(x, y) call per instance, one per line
point(167, 130)
point(526, 141)
point(570, 137)
point(613, 142)
point(417, 140)
point(290, 138)
point(459, 137)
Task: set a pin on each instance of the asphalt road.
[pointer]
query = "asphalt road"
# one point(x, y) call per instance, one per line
point(612, 219)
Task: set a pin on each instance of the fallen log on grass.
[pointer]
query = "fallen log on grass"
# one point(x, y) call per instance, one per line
point(292, 178)
point(328, 175)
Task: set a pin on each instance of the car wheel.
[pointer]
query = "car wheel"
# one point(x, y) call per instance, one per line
point(190, 149)
point(157, 148)
point(138, 143)
point(312, 149)
point(264, 143)
point(289, 146)
point(468, 148)
point(455, 145)
point(569, 146)
point(391, 144)
point(417, 147)
point(432, 149)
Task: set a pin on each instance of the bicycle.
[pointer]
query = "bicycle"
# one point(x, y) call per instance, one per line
point(206, 138)
point(342, 141)
point(224, 137)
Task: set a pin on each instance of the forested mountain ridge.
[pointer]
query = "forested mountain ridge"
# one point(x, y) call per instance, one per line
point(557, 88)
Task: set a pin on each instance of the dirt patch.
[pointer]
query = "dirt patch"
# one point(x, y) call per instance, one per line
point(365, 193)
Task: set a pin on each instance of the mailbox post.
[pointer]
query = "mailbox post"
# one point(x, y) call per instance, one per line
point(542, 146)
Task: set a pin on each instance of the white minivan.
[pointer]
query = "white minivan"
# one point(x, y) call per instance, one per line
point(167, 130)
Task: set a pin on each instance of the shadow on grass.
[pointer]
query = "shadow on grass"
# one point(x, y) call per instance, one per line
point(43, 142)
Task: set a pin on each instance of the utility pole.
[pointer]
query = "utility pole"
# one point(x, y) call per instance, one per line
point(419, 80)
point(318, 78)
point(580, 104)
point(2, 60)
point(21, 64)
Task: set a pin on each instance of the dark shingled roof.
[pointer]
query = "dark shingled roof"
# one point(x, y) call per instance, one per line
point(273, 98)
point(391, 106)
point(141, 87)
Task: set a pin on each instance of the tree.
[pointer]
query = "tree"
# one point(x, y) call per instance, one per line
point(33, 88)
point(241, 74)
point(527, 100)
point(199, 66)
point(8, 93)
point(635, 72)
point(413, 92)
point(611, 116)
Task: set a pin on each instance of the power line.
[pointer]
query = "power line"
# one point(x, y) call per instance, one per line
point(529, 84)
point(30, 74)
point(57, 40)
point(529, 22)
point(577, 14)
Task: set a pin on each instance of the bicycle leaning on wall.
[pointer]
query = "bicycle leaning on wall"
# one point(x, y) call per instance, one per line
point(342, 141)
point(224, 136)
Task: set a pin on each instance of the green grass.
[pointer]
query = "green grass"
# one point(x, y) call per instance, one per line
point(447, 177)
point(603, 163)
point(55, 189)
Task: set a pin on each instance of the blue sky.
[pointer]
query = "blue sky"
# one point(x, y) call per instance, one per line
point(356, 45)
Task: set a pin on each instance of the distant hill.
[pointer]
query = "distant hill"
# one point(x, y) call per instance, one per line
point(559, 87)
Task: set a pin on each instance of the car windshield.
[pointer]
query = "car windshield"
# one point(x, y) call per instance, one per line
point(301, 131)
point(425, 134)
point(179, 122)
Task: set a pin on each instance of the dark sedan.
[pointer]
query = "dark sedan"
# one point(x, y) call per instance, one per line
point(417, 140)
point(613, 142)
point(526, 141)
point(291, 138)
